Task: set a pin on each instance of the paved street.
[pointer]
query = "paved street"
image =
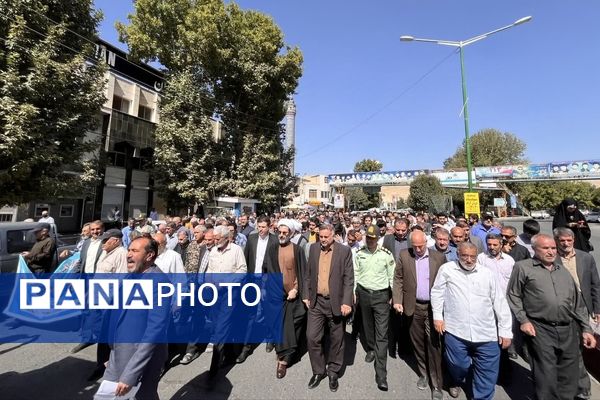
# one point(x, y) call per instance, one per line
point(49, 371)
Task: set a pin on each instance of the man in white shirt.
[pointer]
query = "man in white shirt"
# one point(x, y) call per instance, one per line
point(114, 256)
point(224, 257)
point(470, 308)
point(169, 261)
point(46, 218)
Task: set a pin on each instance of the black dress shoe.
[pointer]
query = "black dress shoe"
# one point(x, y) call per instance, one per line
point(269, 347)
point(370, 357)
point(315, 380)
point(382, 384)
point(242, 357)
point(333, 383)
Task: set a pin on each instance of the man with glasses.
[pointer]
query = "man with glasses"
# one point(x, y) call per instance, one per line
point(291, 265)
point(510, 245)
point(470, 310)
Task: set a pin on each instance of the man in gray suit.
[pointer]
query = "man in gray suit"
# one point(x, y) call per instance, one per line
point(582, 267)
point(142, 360)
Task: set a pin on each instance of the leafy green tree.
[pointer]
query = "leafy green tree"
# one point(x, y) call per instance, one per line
point(49, 98)
point(544, 195)
point(489, 147)
point(358, 199)
point(422, 190)
point(368, 165)
point(187, 162)
point(248, 73)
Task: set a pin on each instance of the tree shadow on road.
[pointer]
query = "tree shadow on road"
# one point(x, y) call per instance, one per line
point(63, 379)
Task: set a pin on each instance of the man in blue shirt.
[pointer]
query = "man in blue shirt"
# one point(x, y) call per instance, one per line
point(484, 227)
point(127, 231)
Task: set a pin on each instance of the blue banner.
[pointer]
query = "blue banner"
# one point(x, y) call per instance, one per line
point(141, 308)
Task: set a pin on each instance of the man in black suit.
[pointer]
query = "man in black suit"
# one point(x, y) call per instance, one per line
point(582, 267)
point(261, 252)
point(327, 292)
point(398, 337)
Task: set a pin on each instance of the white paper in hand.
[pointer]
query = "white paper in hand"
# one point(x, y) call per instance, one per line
point(107, 390)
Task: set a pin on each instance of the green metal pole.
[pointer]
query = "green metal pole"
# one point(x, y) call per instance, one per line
point(466, 118)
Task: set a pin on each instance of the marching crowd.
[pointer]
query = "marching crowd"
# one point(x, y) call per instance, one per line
point(464, 295)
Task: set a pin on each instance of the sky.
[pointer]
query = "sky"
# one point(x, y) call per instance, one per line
point(366, 94)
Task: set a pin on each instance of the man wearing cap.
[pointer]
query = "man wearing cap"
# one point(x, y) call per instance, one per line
point(485, 227)
point(114, 256)
point(41, 256)
point(374, 273)
point(113, 259)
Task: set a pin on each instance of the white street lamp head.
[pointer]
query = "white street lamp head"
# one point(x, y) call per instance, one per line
point(522, 20)
point(407, 38)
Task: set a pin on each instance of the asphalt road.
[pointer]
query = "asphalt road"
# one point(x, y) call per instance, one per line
point(49, 371)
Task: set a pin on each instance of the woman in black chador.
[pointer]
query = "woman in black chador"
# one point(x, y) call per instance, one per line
point(567, 215)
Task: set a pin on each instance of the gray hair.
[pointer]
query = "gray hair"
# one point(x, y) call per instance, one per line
point(466, 246)
point(442, 231)
point(536, 238)
point(222, 230)
point(563, 231)
point(326, 226)
point(201, 228)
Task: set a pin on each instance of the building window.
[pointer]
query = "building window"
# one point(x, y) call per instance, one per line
point(6, 217)
point(39, 208)
point(121, 104)
point(19, 241)
point(312, 193)
point(324, 194)
point(145, 113)
point(66, 210)
point(325, 180)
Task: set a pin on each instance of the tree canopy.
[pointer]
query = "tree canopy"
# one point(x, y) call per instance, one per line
point(544, 195)
point(49, 98)
point(368, 165)
point(247, 75)
point(423, 190)
point(489, 147)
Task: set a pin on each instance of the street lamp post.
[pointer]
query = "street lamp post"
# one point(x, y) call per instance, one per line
point(461, 44)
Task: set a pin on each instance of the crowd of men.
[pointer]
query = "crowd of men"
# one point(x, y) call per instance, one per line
point(464, 295)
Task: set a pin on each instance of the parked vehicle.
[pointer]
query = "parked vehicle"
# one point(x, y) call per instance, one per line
point(17, 237)
point(593, 216)
point(540, 214)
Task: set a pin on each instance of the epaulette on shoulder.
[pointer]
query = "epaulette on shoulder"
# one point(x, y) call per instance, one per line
point(385, 250)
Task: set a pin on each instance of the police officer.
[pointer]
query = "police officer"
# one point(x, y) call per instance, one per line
point(374, 273)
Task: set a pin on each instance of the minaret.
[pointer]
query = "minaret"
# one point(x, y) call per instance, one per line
point(290, 128)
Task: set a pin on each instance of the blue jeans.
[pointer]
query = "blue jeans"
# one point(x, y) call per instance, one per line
point(485, 359)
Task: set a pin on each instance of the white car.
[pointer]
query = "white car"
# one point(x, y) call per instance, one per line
point(540, 214)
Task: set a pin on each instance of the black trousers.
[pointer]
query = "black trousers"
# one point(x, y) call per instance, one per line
point(554, 354)
point(318, 316)
point(374, 312)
